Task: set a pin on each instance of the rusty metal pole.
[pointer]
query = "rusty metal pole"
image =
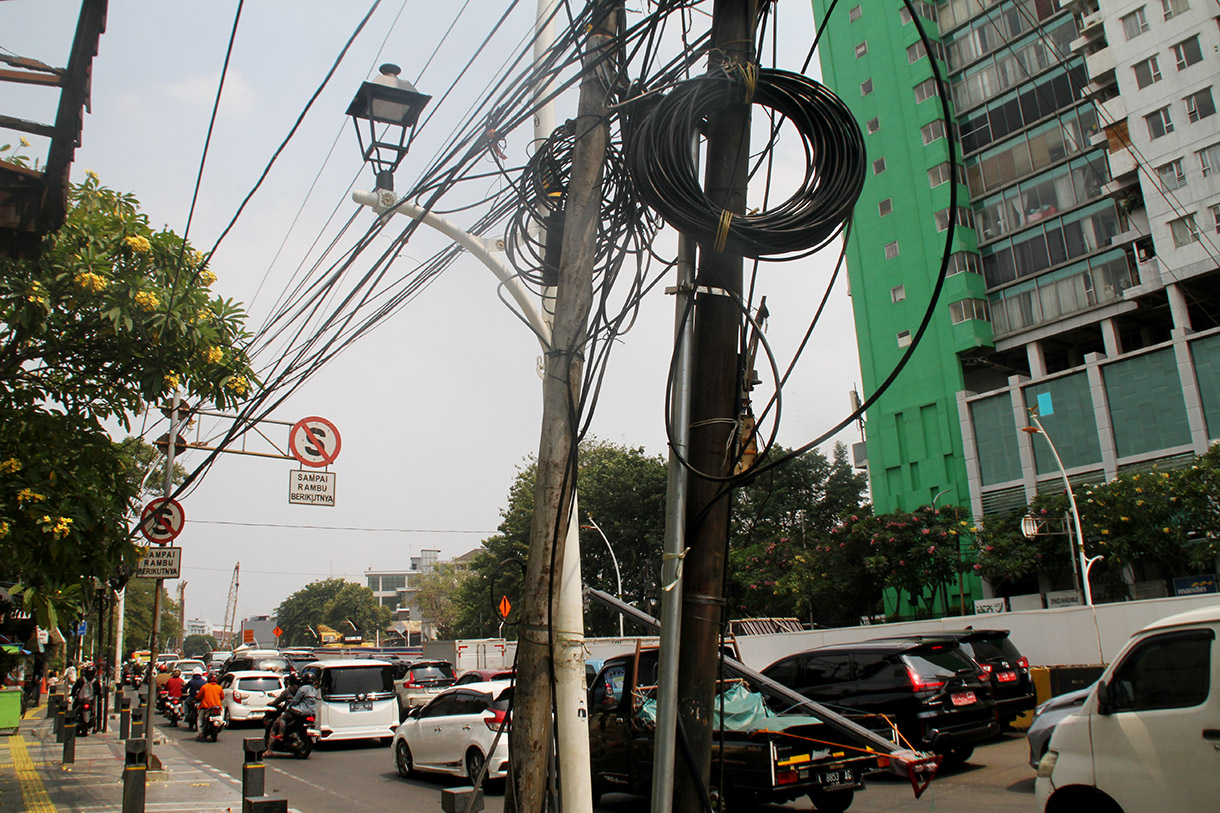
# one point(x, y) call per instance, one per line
point(713, 417)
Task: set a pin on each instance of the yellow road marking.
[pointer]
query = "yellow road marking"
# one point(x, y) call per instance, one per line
point(33, 710)
point(32, 790)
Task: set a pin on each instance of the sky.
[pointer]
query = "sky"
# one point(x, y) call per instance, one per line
point(440, 405)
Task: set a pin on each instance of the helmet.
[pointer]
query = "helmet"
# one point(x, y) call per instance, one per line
point(196, 671)
point(163, 667)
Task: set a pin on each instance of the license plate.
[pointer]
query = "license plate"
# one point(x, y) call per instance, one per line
point(1006, 677)
point(964, 698)
point(837, 779)
point(366, 705)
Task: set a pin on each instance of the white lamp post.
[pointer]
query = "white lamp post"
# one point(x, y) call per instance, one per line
point(618, 576)
point(1085, 562)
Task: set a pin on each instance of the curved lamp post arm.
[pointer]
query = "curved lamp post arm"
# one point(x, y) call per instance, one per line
point(618, 575)
point(1084, 563)
point(383, 201)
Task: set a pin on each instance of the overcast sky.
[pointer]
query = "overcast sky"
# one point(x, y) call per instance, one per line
point(440, 405)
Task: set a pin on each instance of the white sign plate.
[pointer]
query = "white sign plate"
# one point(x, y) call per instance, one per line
point(312, 487)
point(985, 606)
point(159, 563)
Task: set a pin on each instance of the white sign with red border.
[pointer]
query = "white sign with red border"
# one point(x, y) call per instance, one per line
point(314, 442)
point(161, 520)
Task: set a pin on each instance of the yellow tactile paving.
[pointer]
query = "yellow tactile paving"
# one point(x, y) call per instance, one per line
point(32, 790)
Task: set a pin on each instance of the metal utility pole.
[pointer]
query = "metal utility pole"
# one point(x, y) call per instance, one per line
point(713, 418)
point(550, 615)
point(158, 587)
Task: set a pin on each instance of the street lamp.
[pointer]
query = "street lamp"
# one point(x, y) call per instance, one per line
point(394, 102)
point(617, 573)
point(1085, 563)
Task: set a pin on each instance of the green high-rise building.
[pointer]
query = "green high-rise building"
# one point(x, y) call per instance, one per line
point(1072, 282)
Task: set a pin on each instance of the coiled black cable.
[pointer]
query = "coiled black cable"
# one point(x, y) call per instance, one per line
point(659, 158)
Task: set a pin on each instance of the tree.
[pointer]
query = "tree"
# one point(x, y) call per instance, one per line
point(196, 646)
point(436, 595)
point(109, 317)
point(623, 489)
point(332, 602)
point(138, 616)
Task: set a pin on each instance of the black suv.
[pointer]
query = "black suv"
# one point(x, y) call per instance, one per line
point(1011, 685)
point(938, 697)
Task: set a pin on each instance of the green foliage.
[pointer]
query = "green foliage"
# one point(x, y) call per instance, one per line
point(331, 602)
point(138, 617)
point(196, 646)
point(623, 489)
point(110, 317)
point(436, 594)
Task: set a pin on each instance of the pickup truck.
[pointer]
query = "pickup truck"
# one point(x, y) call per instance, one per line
point(766, 758)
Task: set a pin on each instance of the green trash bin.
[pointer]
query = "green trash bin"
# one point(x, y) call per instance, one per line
point(10, 709)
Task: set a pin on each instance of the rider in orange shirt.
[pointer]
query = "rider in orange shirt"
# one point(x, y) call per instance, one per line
point(210, 696)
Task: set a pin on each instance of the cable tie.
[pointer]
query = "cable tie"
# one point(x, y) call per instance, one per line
point(699, 289)
point(722, 230)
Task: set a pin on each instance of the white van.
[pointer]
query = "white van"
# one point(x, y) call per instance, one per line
point(1148, 737)
point(356, 699)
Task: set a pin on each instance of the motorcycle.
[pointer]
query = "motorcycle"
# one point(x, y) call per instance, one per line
point(84, 717)
point(173, 711)
point(299, 735)
point(162, 698)
point(211, 722)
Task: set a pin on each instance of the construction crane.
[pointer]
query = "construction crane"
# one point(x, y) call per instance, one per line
point(230, 639)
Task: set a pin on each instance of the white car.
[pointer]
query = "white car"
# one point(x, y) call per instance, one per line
point(248, 694)
point(455, 731)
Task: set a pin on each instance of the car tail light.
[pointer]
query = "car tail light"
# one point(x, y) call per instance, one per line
point(1023, 662)
point(496, 719)
point(986, 667)
point(919, 683)
point(786, 777)
point(236, 696)
point(984, 676)
point(309, 719)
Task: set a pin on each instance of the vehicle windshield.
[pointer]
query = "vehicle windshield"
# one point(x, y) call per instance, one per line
point(357, 680)
point(432, 674)
point(504, 702)
point(938, 662)
point(260, 684)
point(269, 665)
point(994, 649)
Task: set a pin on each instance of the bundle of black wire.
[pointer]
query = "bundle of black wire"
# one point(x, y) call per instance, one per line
point(664, 171)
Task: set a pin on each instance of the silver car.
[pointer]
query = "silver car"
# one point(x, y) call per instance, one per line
point(1047, 715)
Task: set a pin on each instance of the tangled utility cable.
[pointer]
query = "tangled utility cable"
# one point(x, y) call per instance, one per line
point(663, 168)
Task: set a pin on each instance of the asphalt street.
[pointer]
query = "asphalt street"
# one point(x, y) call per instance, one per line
point(359, 776)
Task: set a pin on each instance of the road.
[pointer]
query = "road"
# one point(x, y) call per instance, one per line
point(355, 777)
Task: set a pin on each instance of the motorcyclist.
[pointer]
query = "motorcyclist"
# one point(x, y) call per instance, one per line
point(173, 688)
point(189, 691)
point(296, 704)
point(82, 693)
point(209, 696)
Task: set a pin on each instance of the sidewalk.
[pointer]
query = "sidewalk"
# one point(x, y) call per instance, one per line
point(33, 778)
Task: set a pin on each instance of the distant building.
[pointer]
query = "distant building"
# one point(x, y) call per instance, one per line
point(397, 589)
point(199, 626)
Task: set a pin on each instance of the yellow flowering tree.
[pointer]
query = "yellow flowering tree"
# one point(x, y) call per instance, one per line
point(108, 319)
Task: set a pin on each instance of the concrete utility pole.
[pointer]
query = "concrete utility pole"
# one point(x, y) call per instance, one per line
point(550, 615)
point(713, 411)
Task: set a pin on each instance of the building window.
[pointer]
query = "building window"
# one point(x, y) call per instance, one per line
point(1172, 175)
point(965, 218)
point(885, 207)
point(393, 582)
point(1200, 105)
point(964, 261)
point(916, 52)
point(374, 583)
point(904, 338)
point(898, 293)
point(904, 15)
point(855, 13)
point(1209, 159)
point(1173, 8)
point(1135, 23)
point(966, 309)
point(1147, 72)
point(861, 49)
point(925, 90)
point(873, 125)
point(1215, 210)
point(1159, 123)
point(1184, 230)
point(938, 174)
point(891, 250)
point(1187, 52)
point(866, 87)
point(932, 131)
point(879, 166)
